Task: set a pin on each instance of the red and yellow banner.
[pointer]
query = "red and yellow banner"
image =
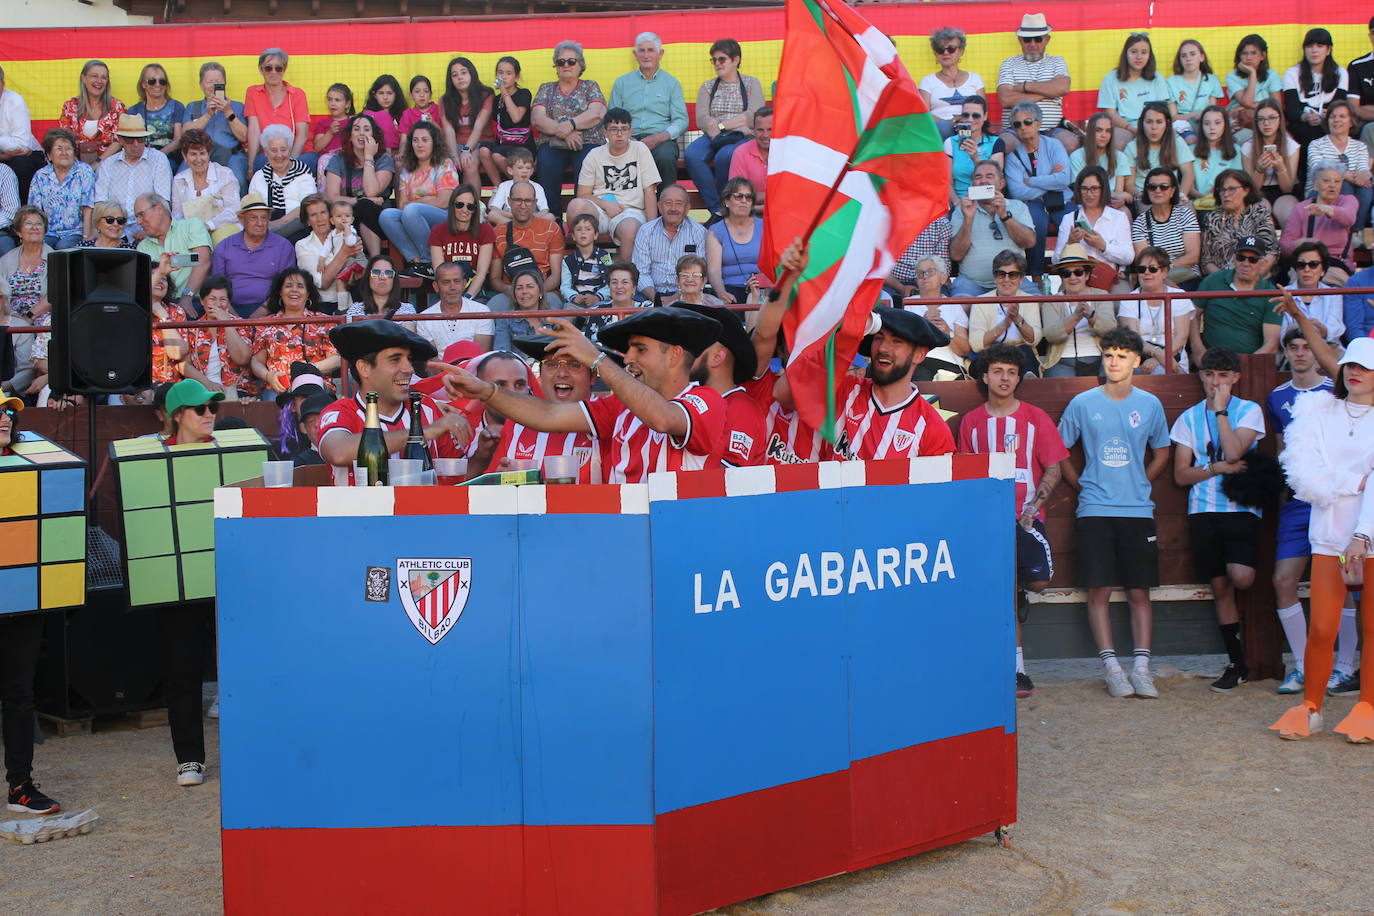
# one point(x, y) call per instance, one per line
point(43, 64)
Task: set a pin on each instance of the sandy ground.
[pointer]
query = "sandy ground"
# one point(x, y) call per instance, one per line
point(1184, 805)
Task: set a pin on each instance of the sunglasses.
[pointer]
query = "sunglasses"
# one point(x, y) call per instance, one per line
point(1159, 187)
point(995, 229)
point(565, 62)
point(1007, 274)
point(1031, 39)
point(273, 68)
point(1309, 265)
point(115, 220)
point(382, 274)
point(1149, 269)
point(1247, 258)
point(1025, 123)
point(157, 81)
point(722, 59)
point(740, 195)
point(464, 205)
point(949, 49)
point(11, 413)
point(201, 410)
point(1075, 272)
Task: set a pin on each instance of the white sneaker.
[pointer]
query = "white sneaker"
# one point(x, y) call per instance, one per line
point(1144, 683)
point(1117, 685)
point(190, 774)
point(213, 712)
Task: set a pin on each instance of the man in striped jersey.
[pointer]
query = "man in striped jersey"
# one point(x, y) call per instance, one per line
point(1213, 436)
point(884, 415)
point(1006, 424)
point(656, 418)
point(726, 366)
point(563, 380)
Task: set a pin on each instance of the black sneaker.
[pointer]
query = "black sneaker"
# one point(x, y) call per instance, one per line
point(26, 799)
point(1233, 677)
point(421, 269)
point(1344, 686)
point(1024, 685)
point(1022, 605)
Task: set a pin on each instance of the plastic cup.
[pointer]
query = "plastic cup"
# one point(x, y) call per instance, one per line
point(340, 477)
point(404, 472)
point(277, 473)
point(560, 469)
point(523, 464)
point(450, 471)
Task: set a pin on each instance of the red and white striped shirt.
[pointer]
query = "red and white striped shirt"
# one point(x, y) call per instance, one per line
point(633, 450)
point(349, 415)
point(522, 442)
point(744, 429)
point(788, 439)
point(1027, 432)
point(868, 430)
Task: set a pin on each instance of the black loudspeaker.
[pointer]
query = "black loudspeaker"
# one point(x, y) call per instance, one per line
point(102, 322)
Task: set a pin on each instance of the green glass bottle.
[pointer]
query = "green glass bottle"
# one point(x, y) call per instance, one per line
point(372, 453)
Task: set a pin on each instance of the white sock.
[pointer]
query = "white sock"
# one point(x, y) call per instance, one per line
point(1020, 661)
point(1142, 659)
point(1295, 628)
point(1345, 642)
point(1109, 660)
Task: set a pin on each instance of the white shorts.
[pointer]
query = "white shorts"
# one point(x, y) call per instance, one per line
point(607, 224)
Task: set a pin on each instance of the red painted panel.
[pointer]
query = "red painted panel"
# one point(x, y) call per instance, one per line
point(969, 467)
point(932, 794)
point(736, 848)
point(791, 477)
point(431, 501)
point(371, 870)
point(570, 871)
point(700, 484)
point(888, 471)
point(279, 502)
point(583, 498)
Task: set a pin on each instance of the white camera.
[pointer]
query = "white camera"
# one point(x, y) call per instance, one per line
point(981, 192)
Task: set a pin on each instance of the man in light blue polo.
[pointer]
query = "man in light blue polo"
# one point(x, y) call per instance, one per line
point(656, 105)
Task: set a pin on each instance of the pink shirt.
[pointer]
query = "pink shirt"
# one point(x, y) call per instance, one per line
point(746, 162)
point(414, 116)
point(391, 138)
point(321, 125)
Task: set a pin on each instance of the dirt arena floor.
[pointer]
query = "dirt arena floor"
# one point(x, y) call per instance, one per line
point(1184, 805)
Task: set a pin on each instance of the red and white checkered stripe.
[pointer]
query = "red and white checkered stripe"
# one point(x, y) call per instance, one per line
point(612, 499)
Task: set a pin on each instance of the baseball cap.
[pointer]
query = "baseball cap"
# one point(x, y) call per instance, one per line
point(1360, 352)
point(1250, 243)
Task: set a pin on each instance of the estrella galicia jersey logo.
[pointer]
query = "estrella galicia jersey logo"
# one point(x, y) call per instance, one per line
point(434, 593)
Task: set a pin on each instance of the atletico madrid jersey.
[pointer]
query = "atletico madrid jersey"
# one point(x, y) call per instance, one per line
point(743, 429)
point(349, 415)
point(789, 439)
point(633, 450)
point(1027, 432)
point(867, 430)
point(522, 442)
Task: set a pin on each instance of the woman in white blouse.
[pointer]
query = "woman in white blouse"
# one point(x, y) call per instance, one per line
point(1103, 230)
point(1328, 456)
point(945, 90)
point(283, 182)
point(205, 190)
point(1145, 315)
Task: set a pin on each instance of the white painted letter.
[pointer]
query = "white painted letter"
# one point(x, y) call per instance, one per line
point(804, 578)
point(832, 572)
point(775, 582)
point(726, 594)
point(915, 559)
point(888, 558)
point(943, 562)
point(859, 572)
point(696, 595)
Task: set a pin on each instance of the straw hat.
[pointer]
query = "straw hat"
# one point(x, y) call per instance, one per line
point(1074, 255)
point(1033, 24)
point(131, 125)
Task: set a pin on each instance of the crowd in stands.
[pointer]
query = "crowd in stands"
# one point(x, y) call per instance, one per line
point(1232, 177)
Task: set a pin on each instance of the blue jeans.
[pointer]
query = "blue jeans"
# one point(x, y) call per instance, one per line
point(709, 179)
point(1035, 256)
point(549, 166)
point(408, 229)
point(7, 243)
point(1365, 196)
point(56, 241)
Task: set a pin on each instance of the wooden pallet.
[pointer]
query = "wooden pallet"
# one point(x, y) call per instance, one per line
point(85, 725)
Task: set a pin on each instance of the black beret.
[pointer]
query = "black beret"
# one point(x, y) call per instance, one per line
point(733, 336)
point(359, 339)
point(535, 345)
point(669, 324)
point(910, 326)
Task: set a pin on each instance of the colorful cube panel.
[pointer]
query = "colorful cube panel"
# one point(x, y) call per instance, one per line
point(42, 527)
point(166, 496)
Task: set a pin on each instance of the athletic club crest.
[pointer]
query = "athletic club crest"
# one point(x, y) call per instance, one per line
point(434, 592)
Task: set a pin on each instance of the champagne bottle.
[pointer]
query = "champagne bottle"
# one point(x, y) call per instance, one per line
point(372, 453)
point(416, 448)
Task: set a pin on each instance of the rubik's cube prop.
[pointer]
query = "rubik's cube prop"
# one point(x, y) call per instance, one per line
point(42, 527)
point(166, 499)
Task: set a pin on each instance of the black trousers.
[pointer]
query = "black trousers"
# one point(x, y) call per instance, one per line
point(20, 636)
point(183, 632)
point(24, 166)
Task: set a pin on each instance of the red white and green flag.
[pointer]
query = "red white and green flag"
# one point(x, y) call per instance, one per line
point(846, 110)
